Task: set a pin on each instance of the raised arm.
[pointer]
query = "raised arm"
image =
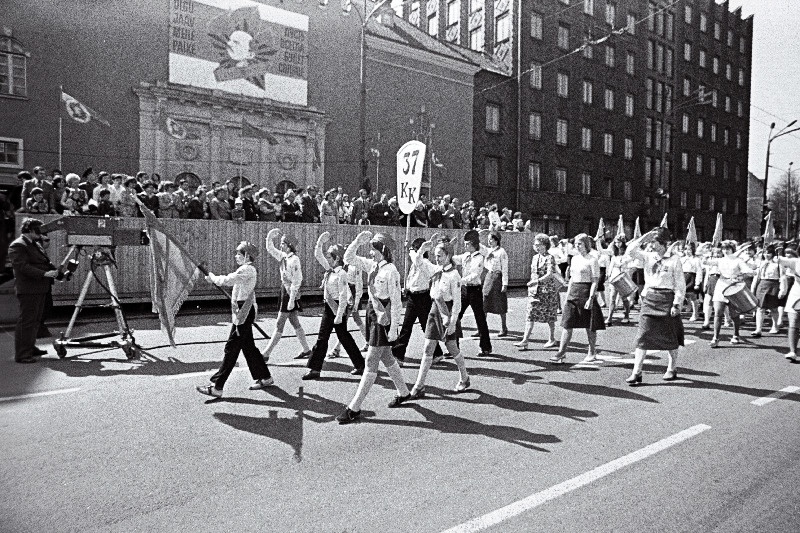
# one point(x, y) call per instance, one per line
point(319, 253)
point(271, 249)
point(351, 254)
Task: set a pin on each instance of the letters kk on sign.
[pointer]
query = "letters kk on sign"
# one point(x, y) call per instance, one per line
point(410, 162)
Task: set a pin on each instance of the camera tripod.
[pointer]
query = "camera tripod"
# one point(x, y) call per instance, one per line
point(100, 257)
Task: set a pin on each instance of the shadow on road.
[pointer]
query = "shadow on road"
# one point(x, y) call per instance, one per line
point(601, 390)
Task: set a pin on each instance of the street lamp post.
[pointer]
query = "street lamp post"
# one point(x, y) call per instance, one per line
point(788, 196)
point(770, 138)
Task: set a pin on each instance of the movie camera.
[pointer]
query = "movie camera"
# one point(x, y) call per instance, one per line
point(102, 235)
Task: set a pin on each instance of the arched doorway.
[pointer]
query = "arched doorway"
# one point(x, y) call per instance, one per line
point(191, 179)
point(284, 185)
point(240, 181)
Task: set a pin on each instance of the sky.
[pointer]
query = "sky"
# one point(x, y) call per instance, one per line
point(775, 84)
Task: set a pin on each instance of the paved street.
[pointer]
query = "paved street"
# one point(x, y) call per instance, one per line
point(96, 443)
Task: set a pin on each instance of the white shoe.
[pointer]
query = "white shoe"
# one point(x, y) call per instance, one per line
point(773, 330)
point(736, 340)
point(550, 344)
point(791, 356)
point(334, 354)
point(262, 383)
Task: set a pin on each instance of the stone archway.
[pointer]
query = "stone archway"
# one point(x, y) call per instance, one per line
point(284, 186)
point(191, 178)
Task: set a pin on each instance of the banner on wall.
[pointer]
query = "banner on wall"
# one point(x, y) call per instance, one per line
point(239, 46)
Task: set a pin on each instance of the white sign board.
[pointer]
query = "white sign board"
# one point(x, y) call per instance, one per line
point(410, 163)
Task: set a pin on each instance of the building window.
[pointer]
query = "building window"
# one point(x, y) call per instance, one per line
point(588, 89)
point(670, 25)
point(631, 25)
point(628, 148)
point(607, 188)
point(715, 65)
point(730, 38)
point(741, 77)
point(627, 192)
point(629, 105)
point(611, 13)
point(536, 25)
point(700, 128)
point(711, 202)
point(629, 63)
point(588, 7)
point(563, 37)
point(735, 206)
point(492, 118)
point(685, 160)
point(726, 136)
point(717, 31)
point(561, 179)
point(534, 176)
point(685, 124)
point(737, 173)
point(11, 152)
point(739, 109)
point(648, 83)
point(714, 98)
point(698, 201)
point(713, 132)
point(683, 199)
point(608, 143)
point(701, 58)
point(728, 71)
point(687, 14)
point(723, 205)
point(728, 104)
point(725, 170)
point(561, 132)
point(535, 126)
point(13, 68)
point(563, 84)
point(453, 20)
point(536, 76)
point(703, 22)
point(608, 99)
point(610, 56)
point(698, 167)
point(586, 139)
point(651, 55)
point(491, 170)
point(586, 184)
point(741, 45)
point(502, 25)
point(476, 39)
point(712, 167)
point(687, 86)
point(648, 137)
point(738, 140)
point(687, 51)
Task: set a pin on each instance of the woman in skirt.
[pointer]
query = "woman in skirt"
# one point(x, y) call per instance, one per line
point(291, 279)
point(693, 276)
point(766, 287)
point(542, 292)
point(603, 256)
point(616, 266)
point(732, 269)
point(710, 277)
point(791, 293)
point(383, 319)
point(442, 322)
point(495, 299)
point(660, 326)
point(355, 281)
point(581, 309)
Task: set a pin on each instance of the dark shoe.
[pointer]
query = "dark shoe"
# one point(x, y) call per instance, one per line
point(503, 333)
point(485, 354)
point(357, 372)
point(39, 351)
point(418, 395)
point(634, 380)
point(399, 400)
point(304, 355)
point(476, 335)
point(348, 416)
point(670, 375)
point(756, 334)
point(312, 374)
point(26, 361)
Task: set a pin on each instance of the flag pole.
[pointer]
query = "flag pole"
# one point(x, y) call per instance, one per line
point(241, 154)
point(60, 126)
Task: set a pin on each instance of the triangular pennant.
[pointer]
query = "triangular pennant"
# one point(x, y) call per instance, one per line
point(691, 232)
point(664, 221)
point(637, 231)
point(601, 229)
point(769, 230)
point(717, 238)
point(620, 228)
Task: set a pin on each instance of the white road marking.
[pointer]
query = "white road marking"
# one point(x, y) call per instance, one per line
point(38, 394)
point(775, 396)
point(539, 498)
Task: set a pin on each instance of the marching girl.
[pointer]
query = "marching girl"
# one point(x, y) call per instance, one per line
point(660, 326)
point(442, 322)
point(243, 314)
point(495, 298)
point(789, 252)
point(472, 296)
point(766, 287)
point(693, 275)
point(603, 256)
point(383, 319)
point(291, 279)
point(790, 266)
point(732, 269)
point(710, 277)
point(338, 302)
point(616, 265)
point(581, 309)
point(355, 282)
point(543, 296)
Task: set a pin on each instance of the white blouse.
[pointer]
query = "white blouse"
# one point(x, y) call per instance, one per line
point(662, 273)
point(447, 286)
point(473, 267)
point(496, 261)
point(584, 269)
point(291, 269)
point(386, 284)
point(243, 281)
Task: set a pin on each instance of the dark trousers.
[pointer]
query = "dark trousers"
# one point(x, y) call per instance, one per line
point(31, 309)
point(321, 346)
point(241, 340)
point(473, 296)
point(48, 308)
point(418, 306)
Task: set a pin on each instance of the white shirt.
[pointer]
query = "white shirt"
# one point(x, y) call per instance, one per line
point(447, 287)
point(691, 264)
point(336, 289)
point(419, 275)
point(473, 267)
point(386, 284)
point(496, 261)
point(584, 269)
point(494, 220)
point(291, 269)
point(662, 273)
point(243, 281)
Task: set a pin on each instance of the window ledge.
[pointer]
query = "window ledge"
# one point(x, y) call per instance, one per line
point(14, 97)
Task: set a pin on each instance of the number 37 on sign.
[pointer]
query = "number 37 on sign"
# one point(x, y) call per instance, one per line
point(410, 162)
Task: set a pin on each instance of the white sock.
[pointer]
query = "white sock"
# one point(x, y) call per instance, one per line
point(276, 336)
point(462, 366)
point(367, 380)
point(424, 366)
point(397, 378)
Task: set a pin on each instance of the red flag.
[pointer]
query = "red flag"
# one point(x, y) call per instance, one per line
point(248, 130)
point(173, 273)
point(80, 112)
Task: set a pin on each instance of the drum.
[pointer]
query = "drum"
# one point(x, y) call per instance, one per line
point(740, 297)
point(623, 284)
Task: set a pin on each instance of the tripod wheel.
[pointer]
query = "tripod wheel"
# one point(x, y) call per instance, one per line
point(61, 350)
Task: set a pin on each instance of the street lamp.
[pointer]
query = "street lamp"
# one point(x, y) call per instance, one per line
point(771, 137)
point(788, 196)
point(365, 17)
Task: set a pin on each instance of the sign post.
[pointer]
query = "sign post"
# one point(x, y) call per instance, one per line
point(410, 163)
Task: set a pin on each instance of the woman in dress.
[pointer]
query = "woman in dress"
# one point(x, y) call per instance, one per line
point(127, 204)
point(328, 209)
point(660, 326)
point(693, 275)
point(442, 322)
point(383, 319)
point(616, 266)
point(291, 279)
point(766, 287)
point(542, 292)
point(732, 269)
point(495, 285)
point(581, 309)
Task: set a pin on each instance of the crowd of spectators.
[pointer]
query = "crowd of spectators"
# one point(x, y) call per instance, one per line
point(105, 194)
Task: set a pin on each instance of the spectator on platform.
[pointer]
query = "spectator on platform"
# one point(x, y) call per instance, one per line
point(237, 213)
point(218, 207)
point(328, 209)
point(104, 206)
point(379, 212)
point(103, 184)
point(167, 207)
point(195, 207)
point(36, 203)
point(59, 189)
point(309, 209)
point(141, 178)
point(289, 209)
point(127, 204)
point(37, 180)
point(74, 202)
point(89, 183)
point(116, 188)
point(266, 209)
point(360, 205)
point(248, 204)
point(149, 198)
point(344, 208)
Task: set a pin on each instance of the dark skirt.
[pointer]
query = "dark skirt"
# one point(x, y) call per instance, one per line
point(657, 329)
point(637, 275)
point(575, 316)
point(691, 279)
point(790, 283)
point(377, 335)
point(601, 283)
point(494, 299)
point(435, 328)
point(285, 302)
point(767, 293)
point(712, 284)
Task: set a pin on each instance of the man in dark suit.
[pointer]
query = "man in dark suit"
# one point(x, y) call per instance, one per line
point(38, 180)
point(309, 210)
point(34, 275)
